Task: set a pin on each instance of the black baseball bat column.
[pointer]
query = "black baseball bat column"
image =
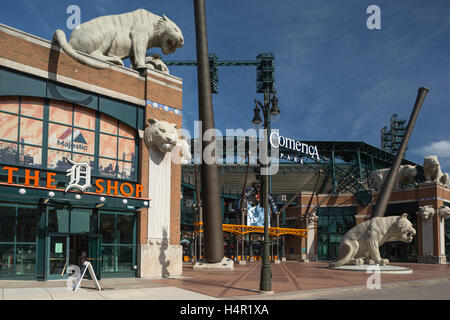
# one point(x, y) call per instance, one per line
point(388, 185)
point(210, 192)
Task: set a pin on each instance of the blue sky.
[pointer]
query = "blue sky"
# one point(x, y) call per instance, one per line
point(336, 79)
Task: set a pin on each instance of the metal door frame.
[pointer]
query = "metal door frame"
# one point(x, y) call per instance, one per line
point(47, 253)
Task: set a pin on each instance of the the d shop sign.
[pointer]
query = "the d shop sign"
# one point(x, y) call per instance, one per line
point(277, 141)
point(109, 187)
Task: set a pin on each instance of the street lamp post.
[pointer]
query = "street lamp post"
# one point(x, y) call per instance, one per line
point(269, 108)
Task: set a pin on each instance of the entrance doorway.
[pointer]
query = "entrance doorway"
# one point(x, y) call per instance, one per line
point(72, 239)
point(58, 257)
point(79, 247)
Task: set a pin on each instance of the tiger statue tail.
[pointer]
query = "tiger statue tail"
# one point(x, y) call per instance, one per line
point(60, 38)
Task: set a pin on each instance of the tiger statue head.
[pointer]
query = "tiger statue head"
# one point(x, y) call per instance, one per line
point(170, 35)
point(161, 135)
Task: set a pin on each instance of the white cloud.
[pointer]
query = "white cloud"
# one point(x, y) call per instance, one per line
point(440, 148)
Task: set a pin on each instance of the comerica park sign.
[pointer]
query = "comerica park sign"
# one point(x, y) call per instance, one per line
point(277, 141)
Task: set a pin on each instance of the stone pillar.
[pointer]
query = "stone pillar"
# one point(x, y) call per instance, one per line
point(431, 233)
point(311, 240)
point(159, 252)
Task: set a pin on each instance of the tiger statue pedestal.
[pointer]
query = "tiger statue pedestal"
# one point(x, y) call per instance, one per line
point(164, 145)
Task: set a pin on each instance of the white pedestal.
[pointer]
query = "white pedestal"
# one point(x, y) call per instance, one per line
point(225, 264)
point(373, 268)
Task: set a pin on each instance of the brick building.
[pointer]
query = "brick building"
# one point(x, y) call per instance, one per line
point(56, 112)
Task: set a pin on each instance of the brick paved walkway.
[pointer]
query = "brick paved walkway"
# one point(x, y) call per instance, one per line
point(290, 277)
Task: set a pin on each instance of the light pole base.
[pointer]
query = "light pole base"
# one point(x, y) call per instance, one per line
point(266, 292)
point(225, 264)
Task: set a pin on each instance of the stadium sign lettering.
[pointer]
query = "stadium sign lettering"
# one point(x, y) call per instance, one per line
point(277, 141)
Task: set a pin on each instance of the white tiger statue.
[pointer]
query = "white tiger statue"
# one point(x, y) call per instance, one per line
point(361, 243)
point(163, 136)
point(443, 212)
point(426, 212)
point(156, 63)
point(433, 172)
point(116, 37)
point(406, 175)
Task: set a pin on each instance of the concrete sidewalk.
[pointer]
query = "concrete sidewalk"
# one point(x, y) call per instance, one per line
point(112, 289)
point(290, 280)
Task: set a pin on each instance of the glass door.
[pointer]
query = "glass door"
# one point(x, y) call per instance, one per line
point(58, 256)
point(94, 254)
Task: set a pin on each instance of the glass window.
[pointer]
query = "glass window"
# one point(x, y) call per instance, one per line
point(31, 156)
point(9, 104)
point(108, 124)
point(80, 221)
point(108, 146)
point(61, 112)
point(83, 141)
point(8, 152)
point(25, 259)
point(108, 258)
point(84, 158)
point(107, 228)
point(126, 149)
point(126, 131)
point(9, 127)
point(32, 107)
point(126, 170)
point(58, 220)
point(7, 223)
point(71, 130)
point(6, 259)
point(107, 167)
point(31, 131)
point(27, 224)
point(84, 118)
point(125, 259)
point(124, 229)
point(59, 137)
point(58, 160)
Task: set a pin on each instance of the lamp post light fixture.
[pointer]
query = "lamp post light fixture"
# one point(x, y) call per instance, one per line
point(269, 109)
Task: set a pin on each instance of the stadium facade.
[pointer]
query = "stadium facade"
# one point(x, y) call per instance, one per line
point(335, 187)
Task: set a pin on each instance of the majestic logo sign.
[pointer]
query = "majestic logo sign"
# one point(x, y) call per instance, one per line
point(277, 141)
point(80, 171)
point(79, 142)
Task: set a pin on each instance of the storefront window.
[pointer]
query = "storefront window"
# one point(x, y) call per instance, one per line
point(118, 234)
point(333, 223)
point(125, 258)
point(6, 259)
point(7, 223)
point(58, 220)
point(107, 228)
point(74, 132)
point(18, 230)
point(124, 229)
point(25, 258)
point(27, 224)
point(80, 221)
point(108, 258)
point(21, 131)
